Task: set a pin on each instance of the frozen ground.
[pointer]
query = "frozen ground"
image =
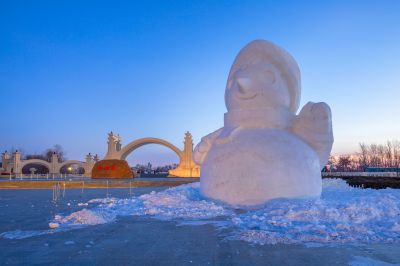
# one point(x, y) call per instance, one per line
point(177, 225)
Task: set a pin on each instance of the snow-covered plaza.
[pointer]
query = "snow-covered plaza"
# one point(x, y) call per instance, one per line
point(177, 225)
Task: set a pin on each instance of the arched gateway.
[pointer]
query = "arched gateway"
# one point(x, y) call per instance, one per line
point(186, 167)
point(37, 162)
point(15, 164)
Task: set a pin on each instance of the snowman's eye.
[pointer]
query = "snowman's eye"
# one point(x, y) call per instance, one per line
point(268, 77)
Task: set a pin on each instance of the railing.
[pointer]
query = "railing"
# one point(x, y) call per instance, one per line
point(47, 176)
point(362, 174)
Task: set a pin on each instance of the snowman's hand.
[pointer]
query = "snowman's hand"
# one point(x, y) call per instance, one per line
point(201, 149)
point(314, 126)
point(227, 135)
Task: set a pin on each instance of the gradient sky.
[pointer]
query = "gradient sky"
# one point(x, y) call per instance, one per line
point(71, 71)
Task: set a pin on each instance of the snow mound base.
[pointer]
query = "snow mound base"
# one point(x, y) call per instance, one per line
point(342, 215)
point(183, 202)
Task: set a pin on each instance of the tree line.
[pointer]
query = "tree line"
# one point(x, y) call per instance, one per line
point(369, 155)
point(48, 153)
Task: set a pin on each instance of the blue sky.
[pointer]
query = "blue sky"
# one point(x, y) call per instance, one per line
point(71, 71)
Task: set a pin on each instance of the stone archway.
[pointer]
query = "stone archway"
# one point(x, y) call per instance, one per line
point(136, 144)
point(54, 165)
point(130, 147)
point(70, 162)
point(186, 167)
point(36, 162)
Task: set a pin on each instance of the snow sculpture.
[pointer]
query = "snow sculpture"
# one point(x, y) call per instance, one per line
point(265, 151)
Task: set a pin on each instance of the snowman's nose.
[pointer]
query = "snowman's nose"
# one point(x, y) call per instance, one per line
point(244, 85)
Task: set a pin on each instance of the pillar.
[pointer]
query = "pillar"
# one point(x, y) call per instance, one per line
point(89, 163)
point(187, 167)
point(114, 144)
point(54, 164)
point(5, 160)
point(118, 143)
point(17, 168)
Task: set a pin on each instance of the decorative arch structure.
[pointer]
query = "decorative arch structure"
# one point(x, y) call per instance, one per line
point(36, 161)
point(186, 167)
point(130, 147)
point(16, 164)
point(69, 162)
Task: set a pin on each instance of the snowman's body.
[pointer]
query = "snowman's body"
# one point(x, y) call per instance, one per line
point(258, 165)
point(265, 151)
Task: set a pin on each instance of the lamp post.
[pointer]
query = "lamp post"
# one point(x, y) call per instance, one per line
point(70, 169)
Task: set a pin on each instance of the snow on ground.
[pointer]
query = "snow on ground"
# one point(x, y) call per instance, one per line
point(184, 202)
point(342, 215)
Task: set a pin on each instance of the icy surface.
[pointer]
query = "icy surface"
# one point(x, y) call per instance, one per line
point(362, 261)
point(184, 202)
point(21, 234)
point(342, 215)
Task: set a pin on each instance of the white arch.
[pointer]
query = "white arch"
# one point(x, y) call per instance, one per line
point(80, 163)
point(130, 147)
point(36, 161)
point(186, 166)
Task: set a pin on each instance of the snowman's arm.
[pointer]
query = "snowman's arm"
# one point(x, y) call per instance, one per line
point(314, 126)
point(201, 149)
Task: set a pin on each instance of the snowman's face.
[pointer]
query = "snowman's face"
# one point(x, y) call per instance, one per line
point(256, 86)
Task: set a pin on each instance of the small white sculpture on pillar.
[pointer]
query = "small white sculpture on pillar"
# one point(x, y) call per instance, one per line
point(265, 151)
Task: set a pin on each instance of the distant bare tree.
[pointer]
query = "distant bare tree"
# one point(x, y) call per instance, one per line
point(396, 153)
point(344, 163)
point(373, 155)
point(363, 158)
point(58, 149)
point(388, 154)
point(380, 149)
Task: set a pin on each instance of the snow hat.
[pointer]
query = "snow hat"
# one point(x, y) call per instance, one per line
point(259, 51)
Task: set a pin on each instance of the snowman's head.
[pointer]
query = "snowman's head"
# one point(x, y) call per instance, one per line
point(263, 75)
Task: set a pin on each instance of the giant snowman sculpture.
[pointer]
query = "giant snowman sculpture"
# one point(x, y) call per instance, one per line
point(265, 151)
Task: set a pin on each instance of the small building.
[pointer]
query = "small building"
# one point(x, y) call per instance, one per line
point(382, 169)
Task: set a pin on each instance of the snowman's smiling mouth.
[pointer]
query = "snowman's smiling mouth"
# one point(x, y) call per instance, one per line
point(246, 96)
